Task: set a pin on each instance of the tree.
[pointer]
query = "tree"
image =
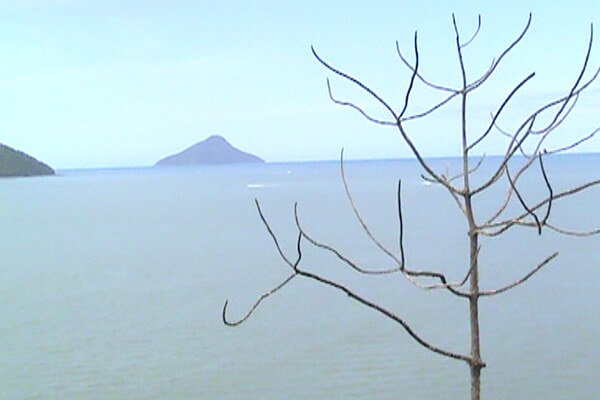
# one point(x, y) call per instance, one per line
point(525, 151)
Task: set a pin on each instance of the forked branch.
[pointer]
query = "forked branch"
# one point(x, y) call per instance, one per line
point(350, 293)
point(356, 82)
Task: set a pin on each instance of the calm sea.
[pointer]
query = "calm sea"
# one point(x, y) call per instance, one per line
point(112, 284)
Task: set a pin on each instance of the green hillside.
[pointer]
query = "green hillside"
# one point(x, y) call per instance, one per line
point(16, 163)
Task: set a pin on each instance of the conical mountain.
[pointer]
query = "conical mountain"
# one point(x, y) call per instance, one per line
point(214, 150)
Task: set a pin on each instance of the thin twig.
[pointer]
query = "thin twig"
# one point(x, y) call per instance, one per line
point(468, 42)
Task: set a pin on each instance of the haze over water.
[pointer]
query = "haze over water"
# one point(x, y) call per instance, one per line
point(113, 281)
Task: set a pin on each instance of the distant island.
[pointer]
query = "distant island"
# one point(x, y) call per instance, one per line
point(214, 150)
point(15, 163)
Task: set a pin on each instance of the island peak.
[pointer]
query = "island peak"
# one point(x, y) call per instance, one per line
point(213, 150)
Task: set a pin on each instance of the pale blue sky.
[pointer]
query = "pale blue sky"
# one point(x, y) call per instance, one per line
point(98, 83)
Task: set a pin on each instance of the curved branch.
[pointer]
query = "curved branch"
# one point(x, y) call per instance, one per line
point(468, 42)
point(520, 281)
point(256, 304)
point(357, 108)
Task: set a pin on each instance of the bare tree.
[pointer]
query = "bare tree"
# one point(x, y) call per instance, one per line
point(526, 143)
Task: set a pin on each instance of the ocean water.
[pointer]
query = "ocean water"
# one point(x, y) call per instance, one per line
point(112, 284)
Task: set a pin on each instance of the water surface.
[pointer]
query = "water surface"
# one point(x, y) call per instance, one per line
point(112, 284)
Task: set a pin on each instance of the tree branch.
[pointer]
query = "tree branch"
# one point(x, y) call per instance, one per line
point(356, 82)
point(468, 42)
point(569, 232)
point(412, 81)
point(523, 204)
point(430, 110)
point(274, 237)
point(339, 286)
point(419, 76)
point(256, 304)
point(357, 108)
point(362, 222)
point(504, 103)
point(400, 263)
point(520, 281)
point(475, 84)
point(353, 295)
point(503, 226)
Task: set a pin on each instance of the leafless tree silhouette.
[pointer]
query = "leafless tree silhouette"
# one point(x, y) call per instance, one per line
point(530, 134)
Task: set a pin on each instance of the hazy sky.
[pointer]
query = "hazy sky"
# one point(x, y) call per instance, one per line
point(95, 83)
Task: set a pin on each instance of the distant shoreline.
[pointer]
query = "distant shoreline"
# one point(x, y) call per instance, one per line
point(267, 163)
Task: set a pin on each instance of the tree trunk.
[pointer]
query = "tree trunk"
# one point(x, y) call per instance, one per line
point(476, 363)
